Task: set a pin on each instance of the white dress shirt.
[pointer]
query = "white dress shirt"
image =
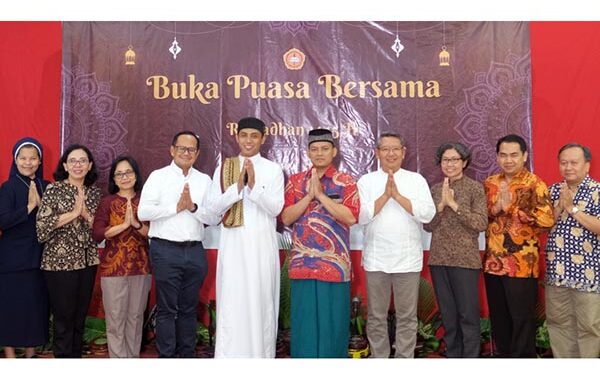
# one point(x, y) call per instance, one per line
point(392, 238)
point(158, 204)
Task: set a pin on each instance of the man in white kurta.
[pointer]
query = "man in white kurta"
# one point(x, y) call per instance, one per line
point(394, 205)
point(247, 281)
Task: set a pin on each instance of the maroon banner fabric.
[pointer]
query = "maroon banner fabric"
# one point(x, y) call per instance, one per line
point(296, 76)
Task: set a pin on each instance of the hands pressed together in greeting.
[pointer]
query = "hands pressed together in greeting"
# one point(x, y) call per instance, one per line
point(33, 199)
point(185, 200)
point(504, 199)
point(447, 197)
point(565, 200)
point(247, 176)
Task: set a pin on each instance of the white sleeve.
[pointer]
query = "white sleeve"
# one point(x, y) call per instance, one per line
point(423, 207)
point(152, 206)
point(269, 196)
point(204, 213)
point(219, 202)
point(367, 205)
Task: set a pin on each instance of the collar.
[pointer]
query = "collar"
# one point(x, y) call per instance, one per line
point(252, 158)
point(178, 170)
point(518, 176)
point(399, 171)
point(459, 180)
point(585, 183)
point(329, 172)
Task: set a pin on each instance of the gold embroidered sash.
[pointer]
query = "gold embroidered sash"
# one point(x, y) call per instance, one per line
point(230, 172)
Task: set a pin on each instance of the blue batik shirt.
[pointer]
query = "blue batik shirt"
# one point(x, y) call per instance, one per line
point(572, 251)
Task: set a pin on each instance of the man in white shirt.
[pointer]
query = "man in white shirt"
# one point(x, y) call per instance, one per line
point(174, 200)
point(394, 205)
point(247, 192)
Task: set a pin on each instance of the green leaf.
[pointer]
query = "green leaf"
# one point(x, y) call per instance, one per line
point(542, 338)
point(95, 328)
point(285, 303)
point(426, 307)
point(485, 329)
point(202, 333)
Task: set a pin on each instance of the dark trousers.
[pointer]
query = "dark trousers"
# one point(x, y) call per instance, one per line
point(512, 304)
point(179, 271)
point(457, 293)
point(70, 295)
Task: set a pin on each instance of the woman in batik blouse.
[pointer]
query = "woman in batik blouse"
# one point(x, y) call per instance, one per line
point(454, 258)
point(70, 256)
point(124, 267)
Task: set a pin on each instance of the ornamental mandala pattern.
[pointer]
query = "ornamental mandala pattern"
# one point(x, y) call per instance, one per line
point(499, 103)
point(91, 116)
point(294, 27)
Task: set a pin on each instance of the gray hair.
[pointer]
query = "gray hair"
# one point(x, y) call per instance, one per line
point(389, 135)
point(587, 154)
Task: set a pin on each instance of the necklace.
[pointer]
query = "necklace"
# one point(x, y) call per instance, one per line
point(23, 181)
point(28, 184)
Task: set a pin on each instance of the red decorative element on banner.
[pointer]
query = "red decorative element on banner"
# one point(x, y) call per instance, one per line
point(294, 59)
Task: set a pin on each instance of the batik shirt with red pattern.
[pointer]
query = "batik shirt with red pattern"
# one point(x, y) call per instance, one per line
point(320, 244)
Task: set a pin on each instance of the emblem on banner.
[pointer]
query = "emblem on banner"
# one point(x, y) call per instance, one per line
point(294, 59)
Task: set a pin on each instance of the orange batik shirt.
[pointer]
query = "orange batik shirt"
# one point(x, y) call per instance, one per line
point(512, 237)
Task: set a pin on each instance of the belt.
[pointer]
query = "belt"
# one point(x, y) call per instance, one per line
point(177, 243)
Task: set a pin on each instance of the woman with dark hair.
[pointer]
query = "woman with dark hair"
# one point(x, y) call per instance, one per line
point(124, 266)
point(70, 257)
point(454, 258)
point(23, 294)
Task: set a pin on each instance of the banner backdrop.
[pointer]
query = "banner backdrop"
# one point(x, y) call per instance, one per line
point(357, 78)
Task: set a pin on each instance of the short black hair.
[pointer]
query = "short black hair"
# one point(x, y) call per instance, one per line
point(186, 132)
point(389, 135)
point(139, 181)
point(463, 151)
point(512, 138)
point(61, 174)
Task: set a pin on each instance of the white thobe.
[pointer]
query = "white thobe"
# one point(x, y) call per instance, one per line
point(247, 281)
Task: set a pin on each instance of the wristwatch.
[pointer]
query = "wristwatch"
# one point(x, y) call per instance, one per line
point(574, 210)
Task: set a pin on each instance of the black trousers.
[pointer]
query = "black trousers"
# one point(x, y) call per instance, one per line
point(457, 293)
point(70, 295)
point(179, 270)
point(512, 304)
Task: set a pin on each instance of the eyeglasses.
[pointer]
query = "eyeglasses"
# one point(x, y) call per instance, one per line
point(386, 150)
point(122, 175)
point(182, 149)
point(74, 162)
point(451, 160)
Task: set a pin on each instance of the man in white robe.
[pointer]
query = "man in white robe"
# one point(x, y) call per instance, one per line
point(248, 193)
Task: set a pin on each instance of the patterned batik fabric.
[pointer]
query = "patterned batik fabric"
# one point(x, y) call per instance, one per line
point(320, 244)
point(71, 246)
point(572, 251)
point(125, 254)
point(513, 237)
point(230, 173)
